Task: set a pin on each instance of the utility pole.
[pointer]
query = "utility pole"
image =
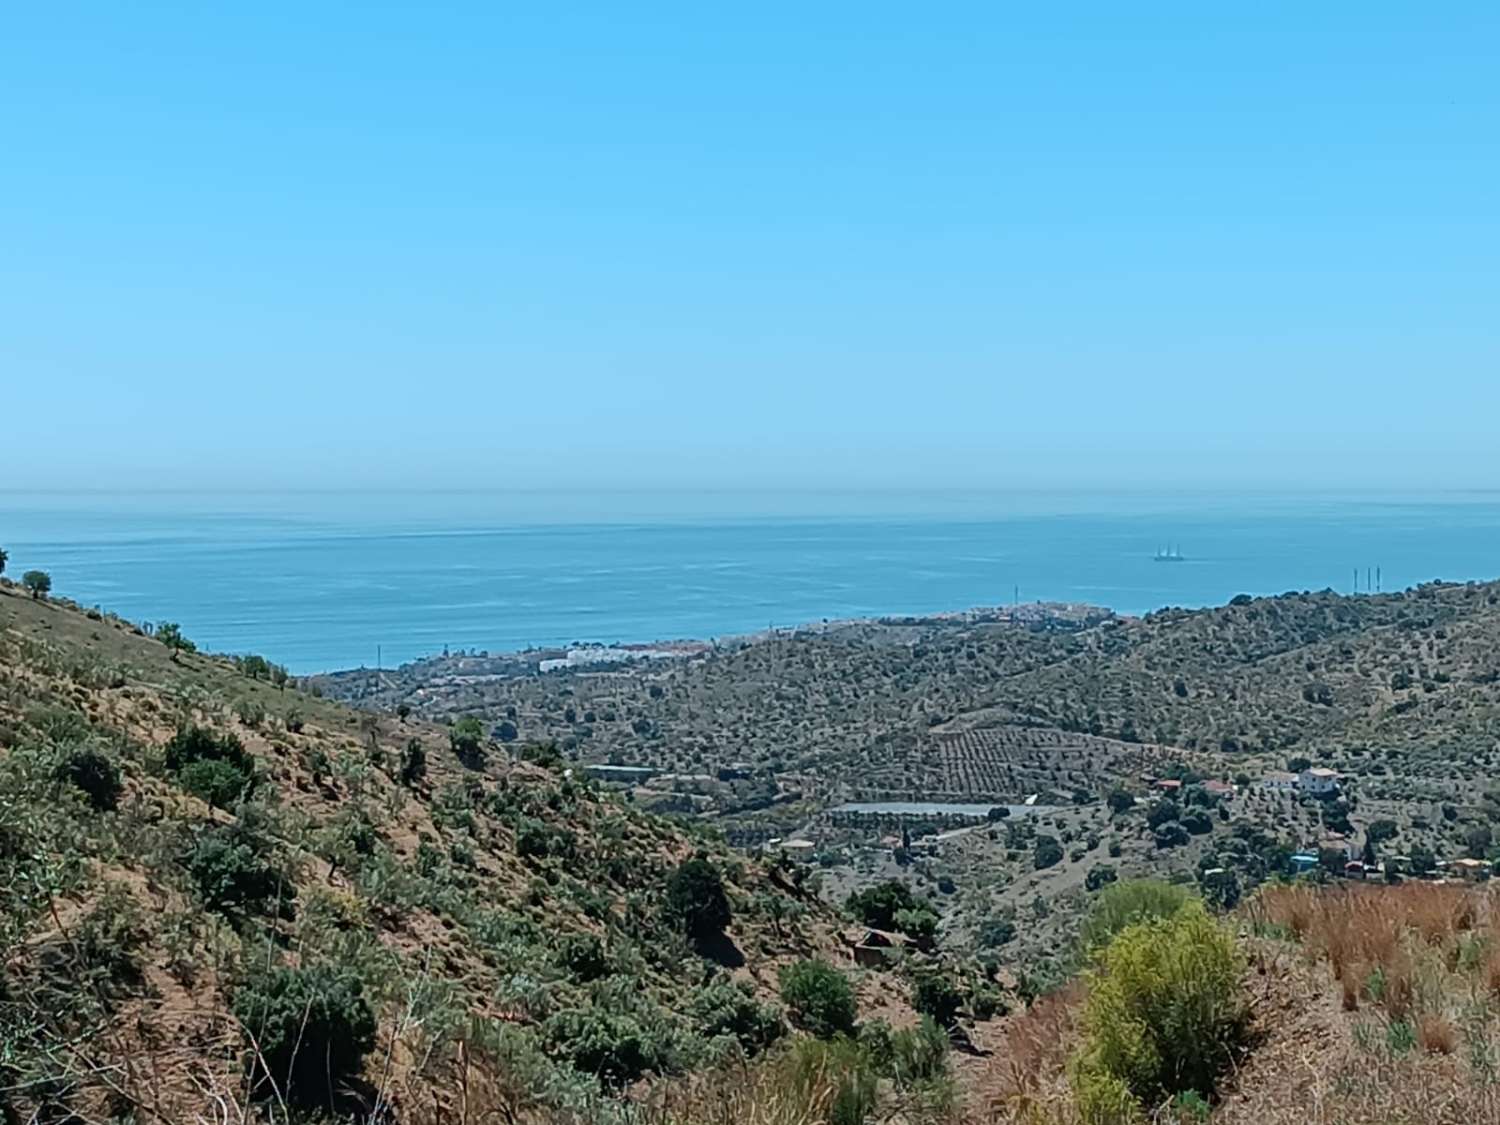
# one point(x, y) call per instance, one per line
point(1356, 580)
point(1377, 580)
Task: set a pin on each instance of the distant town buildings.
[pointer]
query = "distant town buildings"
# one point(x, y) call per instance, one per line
point(1318, 780)
point(591, 656)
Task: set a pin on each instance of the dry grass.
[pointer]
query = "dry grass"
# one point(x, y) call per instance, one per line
point(1026, 1083)
point(1412, 1037)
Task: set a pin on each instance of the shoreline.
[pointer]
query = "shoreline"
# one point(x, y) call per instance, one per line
point(582, 655)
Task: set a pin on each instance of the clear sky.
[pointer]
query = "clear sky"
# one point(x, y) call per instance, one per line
point(868, 244)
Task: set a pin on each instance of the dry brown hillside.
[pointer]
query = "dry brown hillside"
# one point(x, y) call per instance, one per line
point(203, 869)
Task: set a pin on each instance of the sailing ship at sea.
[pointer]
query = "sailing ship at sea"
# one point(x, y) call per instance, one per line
point(1170, 554)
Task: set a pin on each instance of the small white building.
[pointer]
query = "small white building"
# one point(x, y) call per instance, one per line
point(1318, 780)
point(1280, 782)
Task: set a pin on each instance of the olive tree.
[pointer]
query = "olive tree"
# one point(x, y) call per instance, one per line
point(39, 582)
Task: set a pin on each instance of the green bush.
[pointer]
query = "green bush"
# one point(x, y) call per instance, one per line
point(1171, 835)
point(1120, 801)
point(995, 932)
point(466, 737)
point(819, 998)
point(616, 1048)
point(1163, 812)
point(251, 712)
point(169, 633)
point(108, 936)
point(195, 744)
point(309, 1031)
point(1047, 853)
point(215, 781)
point(921, 924)
point(1124, 904)
point(696, 900)
point(413, 763)
point(726, 1008)
point(878, 906)
point(232, 878)
point(94, 773)
point(834, 1080)
point(1099, 876)
point(583, 956)
point(1197, 823)
point(919, 1054)
point(1164, 1014)
point(935, 994)
point(216, 768)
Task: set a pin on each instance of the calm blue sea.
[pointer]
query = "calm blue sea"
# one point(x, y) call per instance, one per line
point(319, 581)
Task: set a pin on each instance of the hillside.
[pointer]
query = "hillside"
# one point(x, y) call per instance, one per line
point(1302, 672)
point(1399, 693)
point(191, 848)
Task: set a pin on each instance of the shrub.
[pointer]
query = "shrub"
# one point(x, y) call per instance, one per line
point(1047, 853)
point(1164, 1013)
point(544, 754)
point(583, 956)
point(107, 937)
point(1120, 801)
point(1099, 876)
point(834, 1081)
point(251, 712)
point(533, 840)
point(1221, 888)
point(1162, 812)
point(726, 1008)
point(921, 924)
point(616, 1048)
point(934, 994)
point(919, 1054)
point(169, 633)
point(194, 744)
point(995, 932)
point(1124, 904)
point(878, 906)
point(309, 1029)
point(217, 769)
point(819, 998)
point(1172, 835)
point(215, 781)
point(466, 737)
point(696, 900)
point(38, 583)
point(94, 773)
point(231, 877)
point(1197, 823)
point(413, 763)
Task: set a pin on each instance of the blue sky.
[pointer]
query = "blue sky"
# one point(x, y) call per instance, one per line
point(324, 245)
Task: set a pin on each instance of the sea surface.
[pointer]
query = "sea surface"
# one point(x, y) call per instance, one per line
point(326, 581)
